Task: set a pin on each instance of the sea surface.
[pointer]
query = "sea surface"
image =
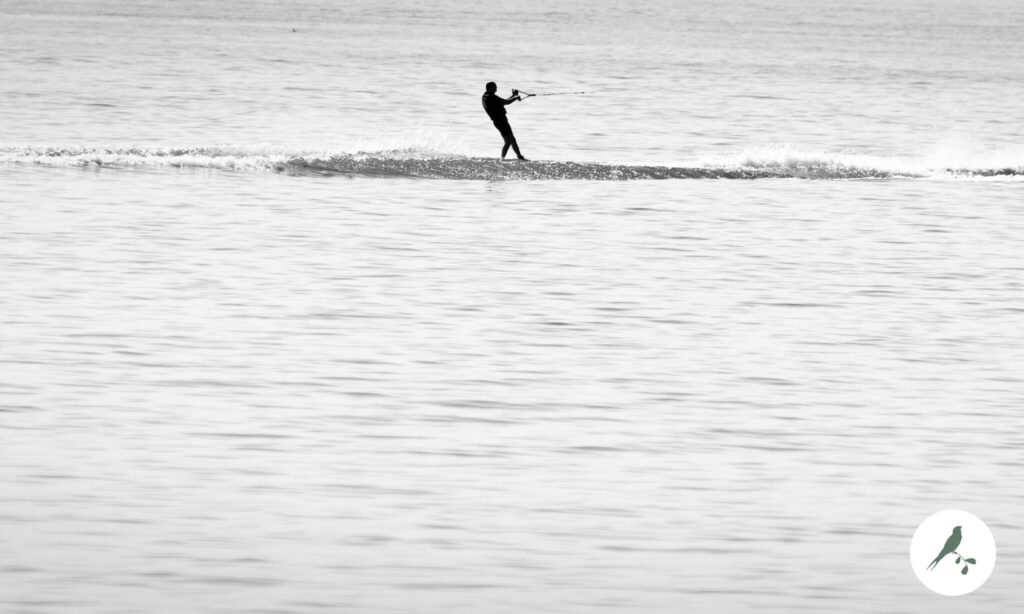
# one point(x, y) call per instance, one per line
point(280, 334)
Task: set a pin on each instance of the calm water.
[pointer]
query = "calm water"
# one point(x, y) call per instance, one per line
point(231, 385)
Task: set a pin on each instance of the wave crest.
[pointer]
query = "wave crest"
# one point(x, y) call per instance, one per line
point(419, 162)
point(240, 158)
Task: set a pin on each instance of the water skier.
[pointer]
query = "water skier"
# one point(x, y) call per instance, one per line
point(495, 107)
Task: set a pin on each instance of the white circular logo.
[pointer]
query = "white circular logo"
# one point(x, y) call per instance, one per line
point(953, 552)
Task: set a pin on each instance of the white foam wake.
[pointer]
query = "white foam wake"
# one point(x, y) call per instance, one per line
point(419, 161)
point(222, 157)
point(941, 162)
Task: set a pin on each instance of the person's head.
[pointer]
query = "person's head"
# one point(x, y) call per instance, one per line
point(491, 87)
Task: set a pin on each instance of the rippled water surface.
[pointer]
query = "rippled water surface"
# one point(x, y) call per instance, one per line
point(230, 387)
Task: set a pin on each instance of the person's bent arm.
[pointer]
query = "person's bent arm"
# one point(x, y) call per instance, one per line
point(514, 97)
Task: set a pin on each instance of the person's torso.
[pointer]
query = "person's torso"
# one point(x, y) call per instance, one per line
point(494, 106)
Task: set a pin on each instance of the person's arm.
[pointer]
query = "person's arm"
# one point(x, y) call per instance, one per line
point(514, 97)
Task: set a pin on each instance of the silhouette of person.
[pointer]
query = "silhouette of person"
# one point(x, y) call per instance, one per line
point(495, 107)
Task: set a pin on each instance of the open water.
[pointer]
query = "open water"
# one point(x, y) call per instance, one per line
point(278, 334)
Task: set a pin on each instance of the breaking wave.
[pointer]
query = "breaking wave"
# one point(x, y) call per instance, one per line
point(778, 163)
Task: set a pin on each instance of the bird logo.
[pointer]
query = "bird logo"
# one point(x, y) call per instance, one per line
point(950, 533)
point(952, 543)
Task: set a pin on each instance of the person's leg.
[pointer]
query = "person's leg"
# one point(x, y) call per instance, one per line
point(515, 146)
point(510, 139)
point(506, 134)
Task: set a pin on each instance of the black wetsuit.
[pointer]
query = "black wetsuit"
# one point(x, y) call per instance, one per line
point(495, 107)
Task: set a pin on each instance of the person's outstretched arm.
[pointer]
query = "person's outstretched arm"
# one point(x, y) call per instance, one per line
point(514, 97)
